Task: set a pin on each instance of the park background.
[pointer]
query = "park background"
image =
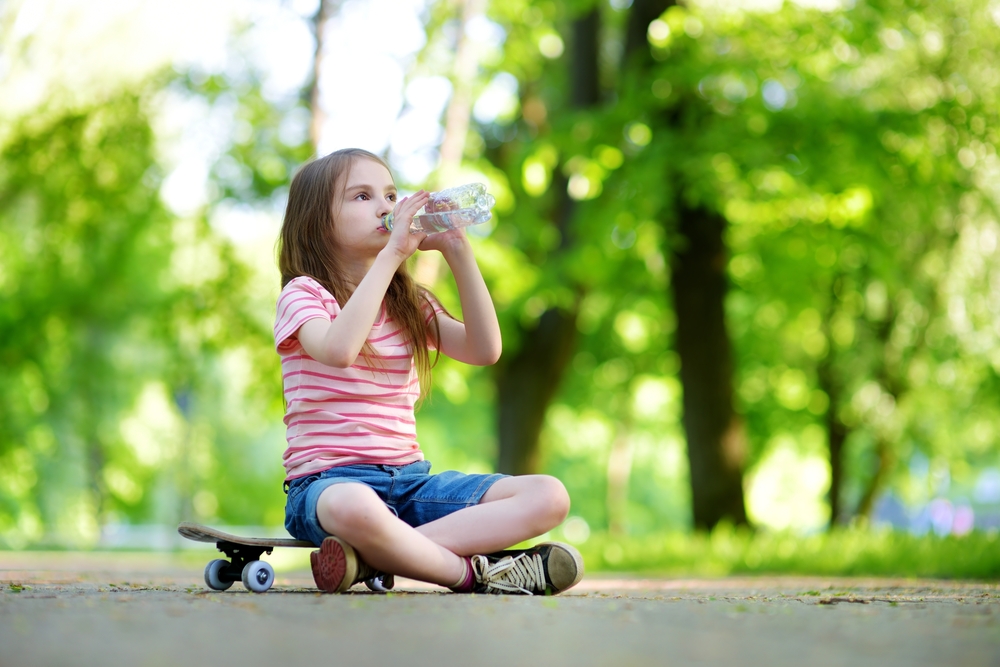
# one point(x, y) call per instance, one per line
point(744, 255)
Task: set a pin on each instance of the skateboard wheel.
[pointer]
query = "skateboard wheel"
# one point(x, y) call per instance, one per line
point(258, 576)
point(212, 571)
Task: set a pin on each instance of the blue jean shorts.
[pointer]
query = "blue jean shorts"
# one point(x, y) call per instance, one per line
point(410, 491)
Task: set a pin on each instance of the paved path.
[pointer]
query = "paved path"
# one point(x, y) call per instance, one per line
point(96, 609)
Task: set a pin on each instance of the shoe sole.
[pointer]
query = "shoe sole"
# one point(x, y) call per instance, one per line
point(334, 566)
point(564, 566)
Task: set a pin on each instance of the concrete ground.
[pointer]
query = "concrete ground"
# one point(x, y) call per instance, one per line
point(154, 609)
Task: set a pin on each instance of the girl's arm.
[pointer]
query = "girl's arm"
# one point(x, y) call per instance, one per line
point(338, 343)
point(477, 340)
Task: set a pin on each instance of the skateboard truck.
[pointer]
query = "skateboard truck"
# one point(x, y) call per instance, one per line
point(244, 565)
point(240, 556)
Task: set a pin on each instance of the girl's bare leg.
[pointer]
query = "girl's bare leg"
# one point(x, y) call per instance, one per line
point(513, 510)
point(354, 513)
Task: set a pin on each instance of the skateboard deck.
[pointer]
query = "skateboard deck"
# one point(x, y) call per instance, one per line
point(200, 533)
point(245, 562)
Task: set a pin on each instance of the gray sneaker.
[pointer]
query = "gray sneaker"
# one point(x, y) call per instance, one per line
point(548, 568)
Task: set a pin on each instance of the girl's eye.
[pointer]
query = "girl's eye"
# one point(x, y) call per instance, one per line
point(391, 198)
point(362, 197)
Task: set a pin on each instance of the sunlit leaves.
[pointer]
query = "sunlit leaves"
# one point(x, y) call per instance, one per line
point(537, 169)
point(87, 241)
point(550, 45)
point(838, 145)
point(106, 302)
point(268, 139)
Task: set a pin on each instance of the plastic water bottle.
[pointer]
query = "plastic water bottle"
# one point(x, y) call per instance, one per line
point(453, 208)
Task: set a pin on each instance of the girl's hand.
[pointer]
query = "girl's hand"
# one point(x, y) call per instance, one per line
point(445, 242)
point(401, 242)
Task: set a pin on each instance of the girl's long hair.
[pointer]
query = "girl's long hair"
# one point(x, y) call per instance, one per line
point(306, 247)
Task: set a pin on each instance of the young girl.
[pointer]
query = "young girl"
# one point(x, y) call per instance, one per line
point(354, 333)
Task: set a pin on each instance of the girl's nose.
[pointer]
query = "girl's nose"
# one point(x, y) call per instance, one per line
point(385, 208)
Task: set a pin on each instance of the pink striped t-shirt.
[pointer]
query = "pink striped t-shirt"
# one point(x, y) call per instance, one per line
point(345, 416)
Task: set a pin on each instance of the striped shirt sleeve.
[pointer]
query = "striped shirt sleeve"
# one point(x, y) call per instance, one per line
point(432, 308)
point(301, 300)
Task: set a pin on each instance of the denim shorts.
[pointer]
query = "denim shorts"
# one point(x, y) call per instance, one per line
point(410, 491)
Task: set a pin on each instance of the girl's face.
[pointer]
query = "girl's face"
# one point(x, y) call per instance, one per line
point(368, 194)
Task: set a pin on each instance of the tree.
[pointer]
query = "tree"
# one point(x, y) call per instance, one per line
point(93, 304)
point(750, 135)
point(529, 375)
point(715, 435)
point(542, 355)
point(813, 161)
point(133, 338)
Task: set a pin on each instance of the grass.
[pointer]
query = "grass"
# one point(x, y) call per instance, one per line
point(855, 551)
point(843, 552)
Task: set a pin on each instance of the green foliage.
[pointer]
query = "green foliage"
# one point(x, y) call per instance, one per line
point(84, 240)
point(839, 235)
point(128, 354)
point(841, 552)
point(853, 154)
point(267, 139)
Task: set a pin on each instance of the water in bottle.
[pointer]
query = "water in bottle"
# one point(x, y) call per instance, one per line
point(453, 208)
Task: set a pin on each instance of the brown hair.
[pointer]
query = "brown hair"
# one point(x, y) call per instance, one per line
point(306, 247)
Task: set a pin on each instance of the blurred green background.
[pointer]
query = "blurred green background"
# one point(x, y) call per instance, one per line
point(744, 255)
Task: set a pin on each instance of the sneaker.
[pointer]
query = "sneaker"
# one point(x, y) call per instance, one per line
point(336, 566)
point(548, 568)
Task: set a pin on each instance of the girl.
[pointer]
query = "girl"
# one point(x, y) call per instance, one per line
point(354, 332)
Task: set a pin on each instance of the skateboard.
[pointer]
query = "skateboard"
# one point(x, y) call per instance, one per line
point(244, 562)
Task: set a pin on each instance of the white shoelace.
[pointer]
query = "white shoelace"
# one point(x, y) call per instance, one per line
point(521, 573)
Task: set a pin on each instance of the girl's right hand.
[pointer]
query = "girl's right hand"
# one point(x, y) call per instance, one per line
point(401, 241)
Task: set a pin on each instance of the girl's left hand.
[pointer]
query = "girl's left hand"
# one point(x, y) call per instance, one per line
point(453, 239)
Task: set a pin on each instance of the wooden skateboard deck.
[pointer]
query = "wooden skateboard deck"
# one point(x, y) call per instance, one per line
point(200, 533)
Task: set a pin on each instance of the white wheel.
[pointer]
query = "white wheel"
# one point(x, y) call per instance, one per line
point(212, 579)
point(258, 576)
point(383, 583)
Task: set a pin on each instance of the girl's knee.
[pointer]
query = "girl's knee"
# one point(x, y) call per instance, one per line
point(551, 500)
point(542, 499)
point(557, 498)
point(347, 509)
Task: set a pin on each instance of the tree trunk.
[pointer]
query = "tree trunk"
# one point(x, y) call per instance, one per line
point(716, 441)
point(837, 436)
point(836, 430)
point(619, 472)
point(883, 463)
point(715, 435)
point(466, 63)
point(895, 385)
point(317, 115)
point(837, 433)
point(526, 384)
point(527, 379)
point(427, 265)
